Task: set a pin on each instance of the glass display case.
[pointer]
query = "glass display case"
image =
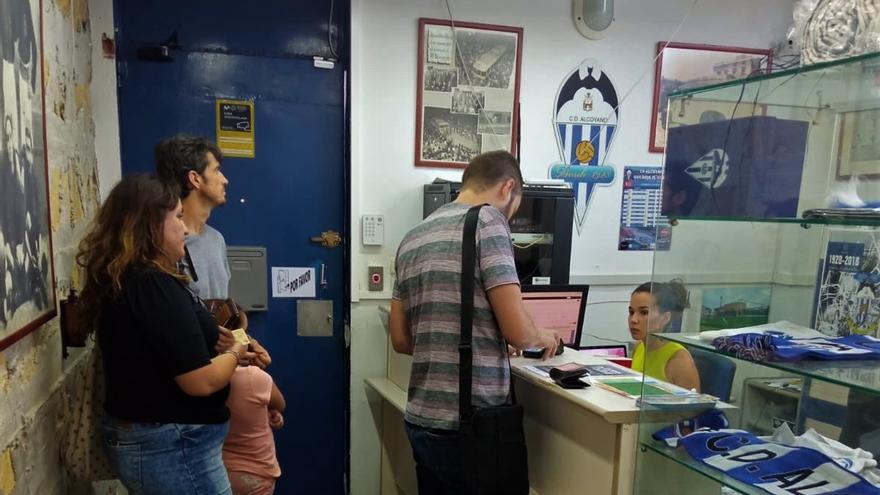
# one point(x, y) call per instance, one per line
point(776, 239)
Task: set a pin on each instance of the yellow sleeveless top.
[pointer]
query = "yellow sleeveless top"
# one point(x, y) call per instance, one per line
point(656, 366)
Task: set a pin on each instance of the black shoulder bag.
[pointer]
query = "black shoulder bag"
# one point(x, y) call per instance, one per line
point(225, 311)
point(493, 444)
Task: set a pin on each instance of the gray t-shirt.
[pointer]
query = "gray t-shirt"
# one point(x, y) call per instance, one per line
point(208, 253)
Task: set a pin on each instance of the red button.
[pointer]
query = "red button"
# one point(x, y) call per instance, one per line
point(376, 278)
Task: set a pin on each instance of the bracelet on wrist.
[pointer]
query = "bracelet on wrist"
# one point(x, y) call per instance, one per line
point(234, 353)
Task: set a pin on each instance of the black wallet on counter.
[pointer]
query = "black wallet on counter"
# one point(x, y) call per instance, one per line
point(569, 375)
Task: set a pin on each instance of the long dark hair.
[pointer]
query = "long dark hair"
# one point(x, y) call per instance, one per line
point(126, 232)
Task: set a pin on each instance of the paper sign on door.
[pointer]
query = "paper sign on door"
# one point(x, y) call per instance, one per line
point(293, 281)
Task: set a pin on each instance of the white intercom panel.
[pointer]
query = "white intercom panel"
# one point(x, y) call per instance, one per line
point(372, 230)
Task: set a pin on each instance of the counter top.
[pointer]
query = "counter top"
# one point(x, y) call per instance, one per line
point(389, 390)
point(612, 407)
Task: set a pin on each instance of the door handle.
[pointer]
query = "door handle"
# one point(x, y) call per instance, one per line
point(328, 239)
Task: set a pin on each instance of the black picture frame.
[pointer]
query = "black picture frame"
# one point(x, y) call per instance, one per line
point(468, 91)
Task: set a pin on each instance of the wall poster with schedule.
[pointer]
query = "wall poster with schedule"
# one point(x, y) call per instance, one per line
point(642, 227)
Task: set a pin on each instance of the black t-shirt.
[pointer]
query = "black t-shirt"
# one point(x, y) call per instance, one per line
point(153, 331)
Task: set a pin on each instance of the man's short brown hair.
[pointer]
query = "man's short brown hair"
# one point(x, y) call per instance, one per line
point(176, 156)
point(491, 168)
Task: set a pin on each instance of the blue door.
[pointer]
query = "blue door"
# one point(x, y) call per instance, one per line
point(294, 188)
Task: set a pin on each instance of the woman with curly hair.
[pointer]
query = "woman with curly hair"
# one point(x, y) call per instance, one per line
point(167, 386)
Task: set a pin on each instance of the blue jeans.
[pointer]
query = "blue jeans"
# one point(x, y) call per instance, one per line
point(438, 460)
point(167, 459)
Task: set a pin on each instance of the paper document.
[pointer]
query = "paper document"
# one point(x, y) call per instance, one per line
point(241, 336)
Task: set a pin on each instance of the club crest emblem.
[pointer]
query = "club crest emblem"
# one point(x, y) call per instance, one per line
point(585, 122)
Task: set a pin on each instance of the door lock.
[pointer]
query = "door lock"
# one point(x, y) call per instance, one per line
point(328, 239)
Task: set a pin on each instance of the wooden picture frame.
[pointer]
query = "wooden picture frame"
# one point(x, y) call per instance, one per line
point(467, 97)
point(858, 148)
point(25, 229)
point(685, 65)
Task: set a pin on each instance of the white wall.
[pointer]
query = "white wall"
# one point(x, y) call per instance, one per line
point(385, 181)
point(384, 100)
point(104, 99)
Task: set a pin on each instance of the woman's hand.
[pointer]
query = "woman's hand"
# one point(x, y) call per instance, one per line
point(208, 379)
point(238, 347)
point(241, 349)
point(261, 355)
point(254, 354)
point(225, 340)
point(246, 356)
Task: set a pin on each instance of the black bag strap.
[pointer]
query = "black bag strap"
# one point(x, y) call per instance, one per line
point(190, 266)
point(465, 349)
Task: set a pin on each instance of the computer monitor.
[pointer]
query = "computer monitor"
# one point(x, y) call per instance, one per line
point(558, 307)
point(617, 351)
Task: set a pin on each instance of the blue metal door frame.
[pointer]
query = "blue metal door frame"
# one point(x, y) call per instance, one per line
point(302, 124)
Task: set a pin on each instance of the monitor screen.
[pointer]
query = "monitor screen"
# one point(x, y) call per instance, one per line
point(606, 350)
point(557, 307)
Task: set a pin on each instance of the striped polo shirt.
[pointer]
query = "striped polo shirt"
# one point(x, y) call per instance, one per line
point(429, 286)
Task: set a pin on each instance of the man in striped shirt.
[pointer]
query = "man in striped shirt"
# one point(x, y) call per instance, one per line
point(426, 312)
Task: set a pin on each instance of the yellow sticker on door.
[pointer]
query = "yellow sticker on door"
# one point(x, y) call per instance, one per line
point(235, 128)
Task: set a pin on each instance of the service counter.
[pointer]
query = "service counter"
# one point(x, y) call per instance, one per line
point(579, 441)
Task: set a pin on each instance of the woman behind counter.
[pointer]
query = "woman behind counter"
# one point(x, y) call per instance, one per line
point(652, 307)
point(167, 387)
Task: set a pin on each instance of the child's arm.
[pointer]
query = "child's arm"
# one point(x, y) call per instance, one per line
point(276, 399)
point(275, 407)
point(276, 419)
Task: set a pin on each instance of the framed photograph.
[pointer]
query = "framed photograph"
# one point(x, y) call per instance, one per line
point(682, 66)
point(468, 91)
point(734, 307)
point(27, 282)
point(858, 149)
